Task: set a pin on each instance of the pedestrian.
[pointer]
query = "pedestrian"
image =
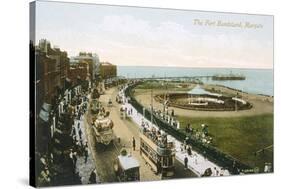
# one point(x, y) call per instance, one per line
point(74, 138)
point(205, 155)
point(86, 154)
point(134, 144)
point(93, 177)
point(187, 128)
point(74, 159)
point(71, 156)
point(142, 123)
point(186, 141)
point(217, 172)
point(181, 147)
point(195, 159)
point(72, 131)
point(86, 145)
point(80, 134)
point(184, 146)
point(189, 152)
point(222, 172)
point(185, 162)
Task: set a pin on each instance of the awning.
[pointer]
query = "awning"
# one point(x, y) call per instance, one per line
point(45, 111)
point(47, 107)
point(44, 115)
point(68, 80)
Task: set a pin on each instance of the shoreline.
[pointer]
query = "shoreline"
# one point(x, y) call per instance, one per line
point(232, 91)
point(238, 90)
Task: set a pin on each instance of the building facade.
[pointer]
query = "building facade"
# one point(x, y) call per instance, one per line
point(92, 60)
point(52, 67)
point(79, 72)
point(107, 70)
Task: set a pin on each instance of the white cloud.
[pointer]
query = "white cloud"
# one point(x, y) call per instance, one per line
point(129, 41)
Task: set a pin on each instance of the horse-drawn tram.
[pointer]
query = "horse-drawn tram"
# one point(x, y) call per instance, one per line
point(158, 152)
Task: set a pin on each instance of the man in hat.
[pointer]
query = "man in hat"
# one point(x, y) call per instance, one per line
point(93, 177)
point(185, 162)
point(86, 152)
point(134, 143)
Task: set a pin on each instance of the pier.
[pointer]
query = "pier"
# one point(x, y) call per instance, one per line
point(199, 77)
point(175, 77)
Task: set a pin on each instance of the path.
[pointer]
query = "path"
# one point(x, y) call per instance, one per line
point(84, 168)
point(197, 163)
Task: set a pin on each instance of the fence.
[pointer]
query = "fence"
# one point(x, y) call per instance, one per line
point(220, 158)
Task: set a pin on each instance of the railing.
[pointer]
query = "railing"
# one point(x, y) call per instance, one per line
point(212, 153)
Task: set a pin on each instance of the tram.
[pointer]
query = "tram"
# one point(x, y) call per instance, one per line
point(158, 152)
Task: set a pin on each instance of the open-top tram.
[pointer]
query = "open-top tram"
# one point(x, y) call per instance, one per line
point(158, 152)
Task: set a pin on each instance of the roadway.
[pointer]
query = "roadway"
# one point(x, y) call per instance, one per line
point(125, 129)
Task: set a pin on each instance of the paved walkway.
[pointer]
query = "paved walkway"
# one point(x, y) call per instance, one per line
point(84, 168)
point(196, 162)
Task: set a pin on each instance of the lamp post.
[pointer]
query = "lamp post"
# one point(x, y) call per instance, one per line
point(151, 107)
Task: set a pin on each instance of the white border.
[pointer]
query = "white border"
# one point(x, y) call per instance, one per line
point(14, 40)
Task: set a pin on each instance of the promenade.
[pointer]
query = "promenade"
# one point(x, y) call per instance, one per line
point(196, 161)
point(84, 164)
point(84, 167)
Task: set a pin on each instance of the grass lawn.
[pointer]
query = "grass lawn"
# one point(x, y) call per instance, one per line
point(240, 137)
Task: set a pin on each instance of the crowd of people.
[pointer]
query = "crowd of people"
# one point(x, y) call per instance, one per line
point(167, 116)
point(65, 145)
point(157, 136)
point(160, 138)
point(201, 135)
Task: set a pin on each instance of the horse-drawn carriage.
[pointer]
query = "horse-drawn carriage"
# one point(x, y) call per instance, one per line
point(126, 168)
point(103, 132)
point(95, 106)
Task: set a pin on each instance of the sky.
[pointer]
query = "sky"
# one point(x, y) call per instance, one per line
point(134, 36)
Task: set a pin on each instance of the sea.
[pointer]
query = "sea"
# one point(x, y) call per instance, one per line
point(258, 81)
